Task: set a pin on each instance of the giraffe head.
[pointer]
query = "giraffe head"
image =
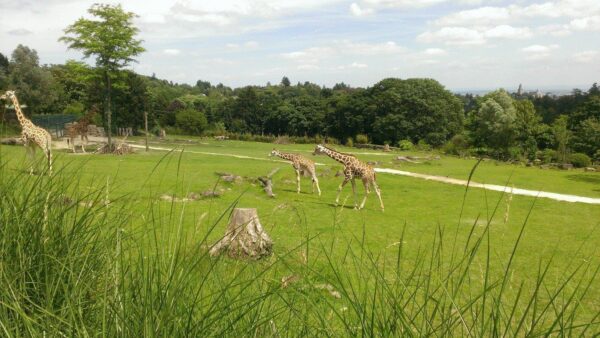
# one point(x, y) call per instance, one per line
point(8, 95)
point(274, 152)
point(320, 149)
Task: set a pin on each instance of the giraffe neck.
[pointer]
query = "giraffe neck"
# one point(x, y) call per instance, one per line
point(285, 156)
point(337, 156)
point(22, 119)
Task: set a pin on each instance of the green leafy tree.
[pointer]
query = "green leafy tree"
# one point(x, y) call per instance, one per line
point(3, 72)
point(285, 81)
point(110, 37)
point(420, 109)
point(528, 127)
point(587, 137)
point(562, 135)
point(35, 85)
point(494, 124)
point(191, 121)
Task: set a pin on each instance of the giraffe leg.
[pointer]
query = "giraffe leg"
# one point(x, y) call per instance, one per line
point(316, 182)
point(84, 142)
point(378, 192)
point(298, 180)
point(354, 193)
point(30, 156)
point(367, 192)
point(337, 199)
point(49, 156)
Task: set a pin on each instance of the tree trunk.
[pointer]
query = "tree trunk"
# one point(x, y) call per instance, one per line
point(107, 111)
point(146, 128)
point(245, 236)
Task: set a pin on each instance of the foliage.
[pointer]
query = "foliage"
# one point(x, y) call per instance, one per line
point(417, 109)
point(580, 160)
point(458, 145)
point(548, 156)
point(34, 85)
point(362, 139)
point(191, 121)
point(111, 38)
point(494, 122)
point(562, 136)
point(349, 142)
point(405, 145)
point(586, 138)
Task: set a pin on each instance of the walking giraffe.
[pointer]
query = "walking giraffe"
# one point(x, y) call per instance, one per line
point(81, 127)
point(31, 134)
point(300, 164)
point(353, 168)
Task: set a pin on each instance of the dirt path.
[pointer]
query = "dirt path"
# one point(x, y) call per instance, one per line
point(441, 179)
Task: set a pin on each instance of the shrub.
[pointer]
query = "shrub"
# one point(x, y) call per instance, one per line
point(514, 153)
point(458, 145)
point(423, 145)
point(362, 139)
point(405, 145)
point(74, 108)
point(191, 121)
point(548, 156)
point(349, 142)
point(580, 160)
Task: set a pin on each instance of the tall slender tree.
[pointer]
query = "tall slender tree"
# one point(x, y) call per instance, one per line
point(110, 37)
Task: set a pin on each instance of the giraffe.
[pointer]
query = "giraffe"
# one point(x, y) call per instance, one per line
point(353, 168)
point(31, 134)
point(300, 164)
point(80, 128)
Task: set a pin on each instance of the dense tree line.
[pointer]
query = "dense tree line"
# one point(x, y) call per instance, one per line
point(398, 112)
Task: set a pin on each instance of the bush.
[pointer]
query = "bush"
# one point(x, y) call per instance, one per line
point(405, 145)
point(362, 139)
point(422, 145)
point(74, 108)
point(580, 160)
point(191, 121)
point(548, 156)
point(349, 142)
point(458, 145)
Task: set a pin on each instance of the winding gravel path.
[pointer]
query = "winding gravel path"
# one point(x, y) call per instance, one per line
point(441, 179)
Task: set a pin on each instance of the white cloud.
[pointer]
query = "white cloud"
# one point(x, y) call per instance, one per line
point(587, 56)
point(171, 51)
point(474, 35)
point(356, 10)
point(590, 23)
point(453, 36)
point(307, 67)
point(358, 65)
point(508, 32)
point(316, 54)
point(434, 52)
point(539, 52)
point(476, 17)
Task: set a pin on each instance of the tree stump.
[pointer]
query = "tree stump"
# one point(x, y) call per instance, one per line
point(245, 236)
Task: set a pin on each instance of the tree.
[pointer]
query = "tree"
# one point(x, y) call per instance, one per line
point(285, 81)
point(527, 125)
point(191, 121)
point(422, 109)
point(35, 85)
point(494, 122)
point(587, 137)
point(562, 135)
point(110, 38)
point(3, 72)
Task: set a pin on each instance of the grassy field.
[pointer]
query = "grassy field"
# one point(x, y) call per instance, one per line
point(429, 234)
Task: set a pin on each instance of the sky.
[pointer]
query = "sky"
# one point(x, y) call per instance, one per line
point(464, 44)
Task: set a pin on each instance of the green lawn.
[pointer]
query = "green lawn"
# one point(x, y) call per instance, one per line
point(421, 209)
